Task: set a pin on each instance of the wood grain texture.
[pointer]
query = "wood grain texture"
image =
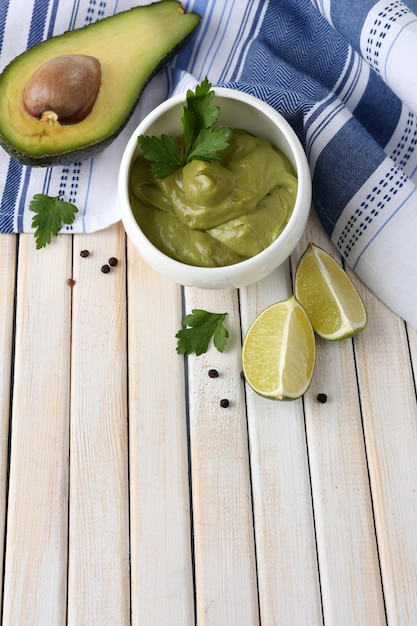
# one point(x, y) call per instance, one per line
point(348, 557)
point(7, 280)
point(388, 399)
point(161, 552)
point(36, 544)
point(283, 508)
point(225, 568)
point(135, 498)
point(346, 543)
point(98, 569)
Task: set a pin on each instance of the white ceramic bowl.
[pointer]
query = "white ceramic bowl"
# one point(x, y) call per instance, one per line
point(237, 110)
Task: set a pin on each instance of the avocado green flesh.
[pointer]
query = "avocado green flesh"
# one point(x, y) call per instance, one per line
point(131, 47)
point(219, 213)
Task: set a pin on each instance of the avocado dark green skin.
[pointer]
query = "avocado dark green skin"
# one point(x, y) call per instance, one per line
point(93, 148)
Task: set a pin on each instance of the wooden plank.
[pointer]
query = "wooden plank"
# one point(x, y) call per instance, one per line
point(289, 588)
point(412, 339)
point(36, 543)
point(388, 398)
point(7, 281)
point(98, 573)
point(348, 558)
point(226, 586)
point(346, 542)
point(161, 559)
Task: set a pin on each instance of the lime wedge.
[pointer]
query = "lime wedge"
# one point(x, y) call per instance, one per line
point(279, 350)
point(330, 298)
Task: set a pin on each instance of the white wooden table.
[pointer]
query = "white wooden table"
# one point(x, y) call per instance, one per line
point(128, 495)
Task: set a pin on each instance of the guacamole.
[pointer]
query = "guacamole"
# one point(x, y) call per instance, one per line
point(219, 213)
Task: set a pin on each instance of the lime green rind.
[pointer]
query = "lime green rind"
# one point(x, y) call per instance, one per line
point(343, 333)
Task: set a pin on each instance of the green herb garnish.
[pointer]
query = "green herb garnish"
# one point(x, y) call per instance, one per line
point(202, 326)
point(51, 214)
point(202, 141)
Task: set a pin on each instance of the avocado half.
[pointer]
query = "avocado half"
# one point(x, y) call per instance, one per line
point(131, 47)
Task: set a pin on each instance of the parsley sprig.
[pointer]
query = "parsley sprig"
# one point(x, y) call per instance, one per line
point(202, 141)
point(202, 326)
point(51, 213)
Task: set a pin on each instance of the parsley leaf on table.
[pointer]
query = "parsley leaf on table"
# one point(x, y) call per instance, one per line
point(201, 327)
point(51, 214)
point(202, 141)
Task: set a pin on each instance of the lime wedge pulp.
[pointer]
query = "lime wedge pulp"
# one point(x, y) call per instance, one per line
point(279, 351)
point(328, 295)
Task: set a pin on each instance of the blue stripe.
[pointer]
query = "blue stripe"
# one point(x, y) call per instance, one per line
point(239, 61)
point(382, 123)
point(412, 4)
point(187, 56)
point(347, 77)
point(407, 25)
point(22, 202)
point(87, 195)
point(52, 20)
point(47, 180)
point(323, 125)
point(299, 35)
point(37, 26)
point(4, 8)
point(355, 80)
point(383, 226)
point(15, 170)
point(341, 15)
point(351, 156)
point(74, 14)
point(239, 44)
point(9, 197)
point(213, 49)
point(318, 112)
point(411, 176)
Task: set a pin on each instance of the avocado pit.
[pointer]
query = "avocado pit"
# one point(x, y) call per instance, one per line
point(64, 89)
point(131, 47)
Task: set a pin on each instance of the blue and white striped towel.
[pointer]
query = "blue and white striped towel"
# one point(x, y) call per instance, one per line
point(343, 73)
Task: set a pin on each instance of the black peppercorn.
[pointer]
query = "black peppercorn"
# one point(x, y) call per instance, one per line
point(224, 403)
point(213, 373)
point(105, 269)
point(322, 398)
point(84, 253)
point(113, 261)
